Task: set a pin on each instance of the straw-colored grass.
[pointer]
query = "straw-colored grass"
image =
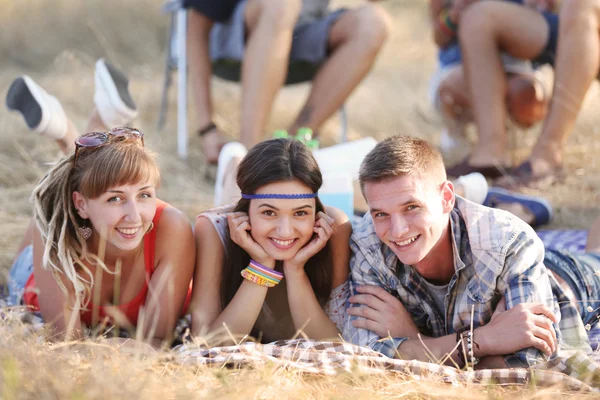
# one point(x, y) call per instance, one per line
point(57, 43)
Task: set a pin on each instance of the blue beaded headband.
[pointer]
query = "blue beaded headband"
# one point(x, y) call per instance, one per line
point(279, 196)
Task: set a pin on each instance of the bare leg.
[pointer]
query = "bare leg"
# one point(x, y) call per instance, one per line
point(518, 210)
point(270, 24)
point(199, 63)
point(355, 40)
point(67, 143)
point(525, 98)
point(577, 63)
point(485, 28)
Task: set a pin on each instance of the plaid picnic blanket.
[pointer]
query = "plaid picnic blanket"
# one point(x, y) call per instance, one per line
point(579, 372)
point(570, 240)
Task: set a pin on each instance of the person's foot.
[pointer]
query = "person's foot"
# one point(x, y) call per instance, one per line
point(212, 143)
point(42, 112)
point(536, 174)
point(112, 98)
point(534, 210)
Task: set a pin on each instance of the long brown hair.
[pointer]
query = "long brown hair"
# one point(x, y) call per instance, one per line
point(276, 160)
point(122, 161)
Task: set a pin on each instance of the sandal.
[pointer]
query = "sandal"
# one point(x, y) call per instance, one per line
point(464, 168)
point(523, 176)
point(537, 206)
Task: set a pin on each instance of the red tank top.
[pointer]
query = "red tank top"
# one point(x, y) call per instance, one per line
point(131, 309)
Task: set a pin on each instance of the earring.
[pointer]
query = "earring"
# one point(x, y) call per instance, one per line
point(84, 231)
point(151, 227)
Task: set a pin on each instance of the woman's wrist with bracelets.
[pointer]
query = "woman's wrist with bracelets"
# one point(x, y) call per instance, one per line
point(261, 275)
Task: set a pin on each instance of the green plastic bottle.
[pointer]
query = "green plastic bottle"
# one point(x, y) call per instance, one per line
point(313, 144)
point(280, 134)
point(304, 134)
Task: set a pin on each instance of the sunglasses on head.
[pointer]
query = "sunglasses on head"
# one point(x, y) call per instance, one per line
point(98, 139)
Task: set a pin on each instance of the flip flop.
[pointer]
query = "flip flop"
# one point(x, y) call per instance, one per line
point(228, 152)
point(522, 176)
point(539, 207)
point(464, 168)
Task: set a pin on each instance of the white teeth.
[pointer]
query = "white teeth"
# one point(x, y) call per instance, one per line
point(128, 231)
point(407, 241)
point(283, 242)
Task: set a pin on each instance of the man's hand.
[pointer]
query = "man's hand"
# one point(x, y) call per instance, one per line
point(381, 313)
point(525, 325)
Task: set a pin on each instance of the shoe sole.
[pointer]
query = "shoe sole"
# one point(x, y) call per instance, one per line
point(227, 153)
point(20, 98)
point(121, 83)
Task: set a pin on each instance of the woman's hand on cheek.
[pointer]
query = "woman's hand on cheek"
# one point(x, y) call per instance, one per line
point(323, 229)
point(239, 231)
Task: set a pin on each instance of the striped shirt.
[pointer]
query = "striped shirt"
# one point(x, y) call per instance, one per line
point(495, 254)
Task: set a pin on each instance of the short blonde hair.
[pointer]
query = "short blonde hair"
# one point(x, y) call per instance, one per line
point(399, 156)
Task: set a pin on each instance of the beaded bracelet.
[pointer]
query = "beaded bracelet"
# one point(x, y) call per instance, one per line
point(266, 270)
point(261, 275)
point(468, 336)
point(473, 360)
point(259, 280)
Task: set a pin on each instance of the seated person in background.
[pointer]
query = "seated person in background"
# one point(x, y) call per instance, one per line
point(276, 263)
point(101, 246)
point(434, 275)
point(526, 94)
point(265, 35)
point(490, 26)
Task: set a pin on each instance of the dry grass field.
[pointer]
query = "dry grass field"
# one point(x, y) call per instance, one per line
point(57, 42)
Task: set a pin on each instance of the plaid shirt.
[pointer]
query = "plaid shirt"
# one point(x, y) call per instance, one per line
point(495, 254)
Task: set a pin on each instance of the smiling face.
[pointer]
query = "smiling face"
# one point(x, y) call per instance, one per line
point(410, 215)
point(122, 215)
point(282, 226)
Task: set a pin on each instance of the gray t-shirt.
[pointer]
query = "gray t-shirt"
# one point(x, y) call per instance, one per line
point(438, 293)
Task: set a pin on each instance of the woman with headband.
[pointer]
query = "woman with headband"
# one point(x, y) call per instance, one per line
point(103, 249)
point(275, 265)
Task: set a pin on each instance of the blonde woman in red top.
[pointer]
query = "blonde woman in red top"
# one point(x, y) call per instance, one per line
point(102, 249)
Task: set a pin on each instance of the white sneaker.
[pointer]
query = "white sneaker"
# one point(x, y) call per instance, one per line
point(112, 98)
point(229, 152)
point(42, 112)
point(475, 187)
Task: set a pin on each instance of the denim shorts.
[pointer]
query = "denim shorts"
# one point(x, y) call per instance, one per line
point(582, 273)
point(309, 43)
point(20, 272)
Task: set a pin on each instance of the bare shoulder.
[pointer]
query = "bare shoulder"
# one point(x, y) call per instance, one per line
point(174, 235)
point(338, 215)
point(173, 220)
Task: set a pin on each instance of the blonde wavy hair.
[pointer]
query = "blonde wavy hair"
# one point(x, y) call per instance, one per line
point(121, 161)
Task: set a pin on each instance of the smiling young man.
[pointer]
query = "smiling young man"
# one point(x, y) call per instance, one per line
point(435, 277)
